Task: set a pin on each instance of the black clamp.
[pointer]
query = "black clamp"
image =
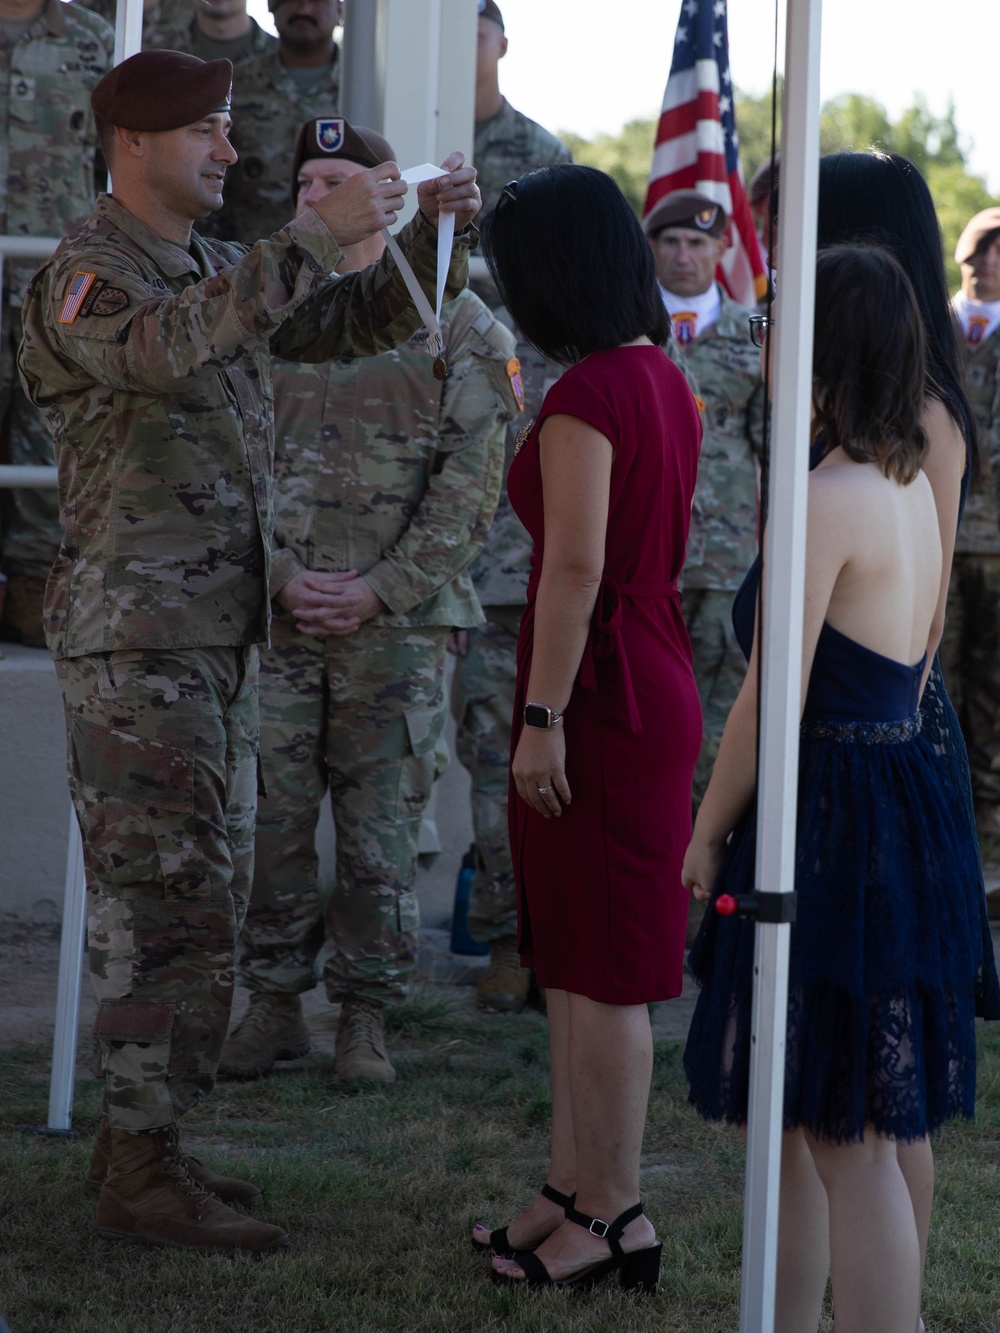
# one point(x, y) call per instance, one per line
point(776, 909)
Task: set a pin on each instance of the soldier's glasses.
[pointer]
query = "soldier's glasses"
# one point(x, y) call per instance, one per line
point(759, 327)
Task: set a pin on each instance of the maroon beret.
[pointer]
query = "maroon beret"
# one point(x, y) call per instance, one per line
point(162, 90)
point(689, 209)
point(334, 137)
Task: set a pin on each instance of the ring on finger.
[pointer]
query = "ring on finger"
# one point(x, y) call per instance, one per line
point(543, 791)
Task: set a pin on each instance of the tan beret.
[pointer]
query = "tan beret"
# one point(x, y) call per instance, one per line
point(332, 137)
point(162, 90)
point(686, 208)
point(975, 233)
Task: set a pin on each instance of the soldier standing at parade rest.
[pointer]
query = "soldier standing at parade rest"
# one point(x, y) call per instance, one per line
point(296, 80)
point(970, 647)
point(711, 345)
point(386, 480)
point(149, 351)
point(51, 58)
point(507, 144)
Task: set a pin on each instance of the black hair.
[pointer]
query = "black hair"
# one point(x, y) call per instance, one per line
point(869, 360)
point(881, 199)
point(572, 265)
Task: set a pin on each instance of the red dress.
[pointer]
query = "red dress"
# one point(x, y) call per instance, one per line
point(601, 909)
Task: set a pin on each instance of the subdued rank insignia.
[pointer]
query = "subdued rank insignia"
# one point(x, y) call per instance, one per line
point(108, 301)
point(977, 328)
point(440, 368)
point(78, 289)
point(684, 324)
point(516, 383)
point(330, 134)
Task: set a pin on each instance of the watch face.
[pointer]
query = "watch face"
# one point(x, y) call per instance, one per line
point(535, 715)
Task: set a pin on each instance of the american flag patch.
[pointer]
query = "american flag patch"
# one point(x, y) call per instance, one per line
point(79, 288)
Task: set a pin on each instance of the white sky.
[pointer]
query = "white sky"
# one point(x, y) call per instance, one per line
point(591, 65)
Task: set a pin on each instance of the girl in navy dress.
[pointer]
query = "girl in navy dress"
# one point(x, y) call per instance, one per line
point(886, 964)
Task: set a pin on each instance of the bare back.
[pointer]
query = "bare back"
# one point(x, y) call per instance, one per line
point(873, 568)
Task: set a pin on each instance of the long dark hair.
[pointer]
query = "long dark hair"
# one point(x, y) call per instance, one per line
point(572, 264)
point(882, 199)
point(869, 364)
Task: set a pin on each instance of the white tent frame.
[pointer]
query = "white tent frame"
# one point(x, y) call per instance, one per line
point(781, 647)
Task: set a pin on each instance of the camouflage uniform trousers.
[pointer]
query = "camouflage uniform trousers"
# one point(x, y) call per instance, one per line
point(361, 717)
point(719, 669)
point(970, 660)
point(482, 703)
point(163, 774)
point(31, 530)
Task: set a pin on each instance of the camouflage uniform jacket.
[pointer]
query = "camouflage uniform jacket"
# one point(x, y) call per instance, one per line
point(152, 366)
point(979, 533)
point(187, 36)
point(722, 366)
point(506, 146)
point(381, 468)
point(48, 140)
point(268, 111)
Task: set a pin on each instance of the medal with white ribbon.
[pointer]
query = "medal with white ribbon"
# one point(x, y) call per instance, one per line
point(445, 242)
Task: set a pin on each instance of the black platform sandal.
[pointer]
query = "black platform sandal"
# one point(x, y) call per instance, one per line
point(498, 1242)
point(638, 1270)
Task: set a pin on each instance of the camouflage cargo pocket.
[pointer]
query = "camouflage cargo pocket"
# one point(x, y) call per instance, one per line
point(116, 763)
point(408, 906)
point(425, 762)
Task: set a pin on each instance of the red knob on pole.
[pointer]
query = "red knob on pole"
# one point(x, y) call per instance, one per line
point(726, 905)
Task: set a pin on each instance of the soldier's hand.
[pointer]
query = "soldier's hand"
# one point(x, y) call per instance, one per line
point(457, 642)
point(455, 193)
point(363, 204)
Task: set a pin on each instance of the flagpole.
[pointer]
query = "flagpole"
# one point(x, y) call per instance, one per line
point(784, 587)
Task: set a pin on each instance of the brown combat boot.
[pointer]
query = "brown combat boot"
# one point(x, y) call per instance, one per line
point(361, 1049)
point(148, 1197)
point(226, 1188)
point(22, 611)
point(505, 986)
point(271, 1029)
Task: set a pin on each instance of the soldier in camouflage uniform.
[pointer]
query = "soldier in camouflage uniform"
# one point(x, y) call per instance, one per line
point(386, 480)
point(970, 648)
point(149, 352)
point(507, 144)
point(51, 58)
point(297, 80)
point(711, 345)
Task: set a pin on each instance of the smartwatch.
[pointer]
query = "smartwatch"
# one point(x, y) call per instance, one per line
point(540, 715)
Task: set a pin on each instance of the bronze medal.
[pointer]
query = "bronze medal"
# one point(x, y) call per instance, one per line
point(440, 368)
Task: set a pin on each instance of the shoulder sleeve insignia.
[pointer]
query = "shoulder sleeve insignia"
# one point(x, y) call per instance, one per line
point(516, 383)
point(78, 290)
point(109, 301)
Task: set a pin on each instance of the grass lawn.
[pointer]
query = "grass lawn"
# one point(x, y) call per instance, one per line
point(379, 1188)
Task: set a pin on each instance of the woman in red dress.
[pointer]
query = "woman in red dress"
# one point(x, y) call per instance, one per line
point(607, 722)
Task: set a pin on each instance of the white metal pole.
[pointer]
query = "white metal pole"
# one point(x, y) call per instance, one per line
point(781, 644)
point(128, 29)
point(68, 991)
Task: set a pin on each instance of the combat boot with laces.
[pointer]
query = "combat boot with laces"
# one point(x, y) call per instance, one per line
point(273, 1028)
point(149, 1197)
point(361, 1049)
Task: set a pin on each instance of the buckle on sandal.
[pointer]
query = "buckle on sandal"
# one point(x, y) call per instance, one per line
point(596, 1222)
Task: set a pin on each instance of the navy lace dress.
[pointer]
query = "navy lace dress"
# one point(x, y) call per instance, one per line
point(891, 956)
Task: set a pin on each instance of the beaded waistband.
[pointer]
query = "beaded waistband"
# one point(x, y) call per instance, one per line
point(864, 733)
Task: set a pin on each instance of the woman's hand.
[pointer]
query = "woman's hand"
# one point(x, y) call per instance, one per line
point(702, 863)
point(539, 769)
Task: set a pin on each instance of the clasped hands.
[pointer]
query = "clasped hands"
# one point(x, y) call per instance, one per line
point(329, 604)
point(365, 203)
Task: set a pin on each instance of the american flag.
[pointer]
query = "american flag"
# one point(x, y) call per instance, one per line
point(697, 147)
